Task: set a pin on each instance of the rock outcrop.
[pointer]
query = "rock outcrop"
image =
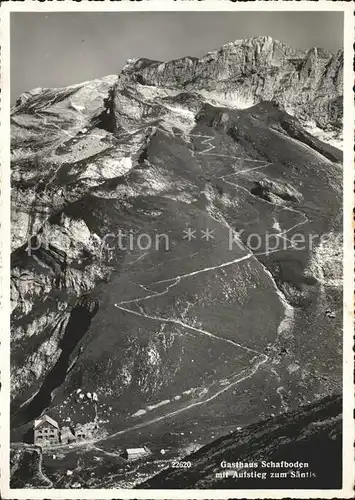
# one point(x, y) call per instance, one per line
point(308, 84)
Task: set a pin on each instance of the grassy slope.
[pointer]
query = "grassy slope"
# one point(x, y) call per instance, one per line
point(237, 302)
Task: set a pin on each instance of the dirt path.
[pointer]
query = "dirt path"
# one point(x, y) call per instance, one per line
point(261, 357)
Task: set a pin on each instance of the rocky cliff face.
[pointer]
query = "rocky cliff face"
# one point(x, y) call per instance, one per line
point(308, 84)
point(165, 327)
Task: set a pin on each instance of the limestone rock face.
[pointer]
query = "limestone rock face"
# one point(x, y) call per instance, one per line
point(245, 72)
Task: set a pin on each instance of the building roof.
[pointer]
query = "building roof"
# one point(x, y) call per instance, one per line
point(134, 451)
point(47, 419)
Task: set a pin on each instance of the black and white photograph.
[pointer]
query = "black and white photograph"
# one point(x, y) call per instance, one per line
point(180, 198)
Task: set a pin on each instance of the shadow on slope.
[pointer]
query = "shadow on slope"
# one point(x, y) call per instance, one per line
point(78, 324)
point(311, 434)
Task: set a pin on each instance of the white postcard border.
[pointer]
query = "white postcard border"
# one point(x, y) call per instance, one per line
point(348, 301)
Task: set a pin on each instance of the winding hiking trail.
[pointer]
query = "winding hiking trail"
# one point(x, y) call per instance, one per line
point(261, 358)
point(208, 140)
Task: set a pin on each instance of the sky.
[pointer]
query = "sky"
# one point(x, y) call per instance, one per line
point(62, 48)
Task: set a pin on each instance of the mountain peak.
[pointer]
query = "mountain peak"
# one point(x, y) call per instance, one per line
point(261, 39)
point(246, 71)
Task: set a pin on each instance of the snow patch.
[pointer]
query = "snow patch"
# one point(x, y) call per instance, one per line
point(157, 405)
point(233, 100)
point(139, 413)
point(287, 321)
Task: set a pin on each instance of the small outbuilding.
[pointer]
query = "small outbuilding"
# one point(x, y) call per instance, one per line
point(136, 453)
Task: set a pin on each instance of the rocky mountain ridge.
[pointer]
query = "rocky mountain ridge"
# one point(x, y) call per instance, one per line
point(307, 84)
point(240, 74)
